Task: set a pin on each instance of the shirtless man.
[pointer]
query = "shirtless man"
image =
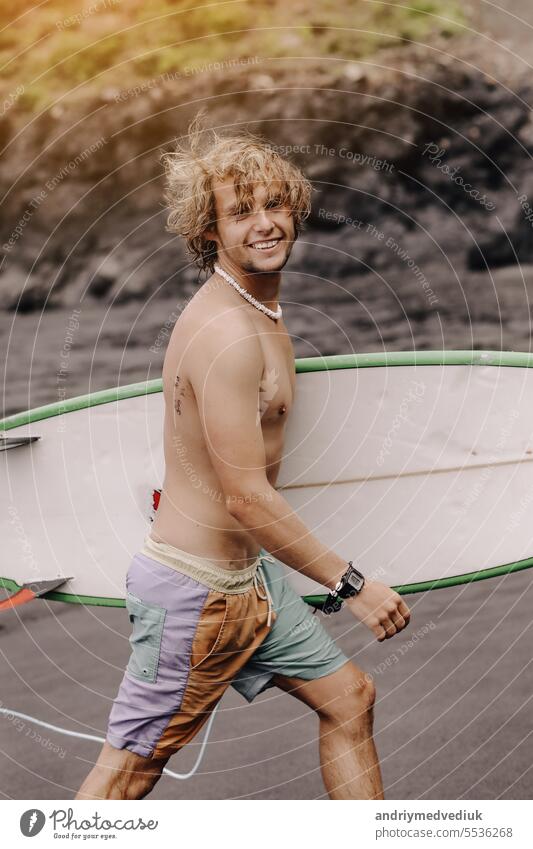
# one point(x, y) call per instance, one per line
point(208, 601)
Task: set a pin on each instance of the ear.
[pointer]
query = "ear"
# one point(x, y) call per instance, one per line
point(211, 235)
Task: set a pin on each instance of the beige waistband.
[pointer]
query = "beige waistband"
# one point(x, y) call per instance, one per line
point(204, 571)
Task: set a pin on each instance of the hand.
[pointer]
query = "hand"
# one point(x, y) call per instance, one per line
point(380, 608)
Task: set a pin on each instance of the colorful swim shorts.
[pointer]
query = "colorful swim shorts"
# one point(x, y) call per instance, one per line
point(197, 629)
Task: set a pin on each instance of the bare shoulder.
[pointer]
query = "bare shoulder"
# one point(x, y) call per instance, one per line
point(212, 332)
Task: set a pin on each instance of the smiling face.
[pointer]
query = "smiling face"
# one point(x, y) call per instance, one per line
point(255, 237)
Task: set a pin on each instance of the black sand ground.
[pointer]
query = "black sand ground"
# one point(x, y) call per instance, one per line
point(452, 721)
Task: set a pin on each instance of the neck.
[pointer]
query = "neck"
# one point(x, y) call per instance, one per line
point(263, 286)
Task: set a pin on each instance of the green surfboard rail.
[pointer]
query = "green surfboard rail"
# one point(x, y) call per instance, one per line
point(497, 359)
point(510, 359)
point(314, 600)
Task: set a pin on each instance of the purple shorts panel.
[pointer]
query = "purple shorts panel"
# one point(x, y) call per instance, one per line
point(164, 664)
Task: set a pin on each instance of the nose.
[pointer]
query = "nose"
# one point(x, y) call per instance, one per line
point(262, 220)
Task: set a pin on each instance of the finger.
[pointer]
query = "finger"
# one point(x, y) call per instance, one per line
point(404, 610)
point(398, 620)
point(379, 631)
point(389, 628)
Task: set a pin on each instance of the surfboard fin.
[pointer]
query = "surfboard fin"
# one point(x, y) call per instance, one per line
point(7, 442)
point(31, 590)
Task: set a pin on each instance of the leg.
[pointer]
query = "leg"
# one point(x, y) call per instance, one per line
point(152, 715)
point(344, 703)
point(162, 703)
point(121, 774)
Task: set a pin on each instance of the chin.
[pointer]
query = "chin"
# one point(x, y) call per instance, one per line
point(267, 265)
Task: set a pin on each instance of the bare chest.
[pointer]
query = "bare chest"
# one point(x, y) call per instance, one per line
point(276, 389)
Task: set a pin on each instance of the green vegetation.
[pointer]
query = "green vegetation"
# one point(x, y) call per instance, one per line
point(60, 45)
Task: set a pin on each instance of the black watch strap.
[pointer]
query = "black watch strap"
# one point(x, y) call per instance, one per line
point(350, 584)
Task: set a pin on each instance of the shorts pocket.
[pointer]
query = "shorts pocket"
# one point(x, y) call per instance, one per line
point(145, 640)
point(209, 630)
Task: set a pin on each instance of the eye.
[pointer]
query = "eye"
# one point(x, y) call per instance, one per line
point(274, 203)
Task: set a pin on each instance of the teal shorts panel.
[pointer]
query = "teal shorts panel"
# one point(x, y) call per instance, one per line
point(297, 646)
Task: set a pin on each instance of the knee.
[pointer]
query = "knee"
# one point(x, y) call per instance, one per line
point(131, 786)
point(137, 783)
point(138, 786)
point(124, 782)
point(354, 705)
point(366, 691)
point(360, 690)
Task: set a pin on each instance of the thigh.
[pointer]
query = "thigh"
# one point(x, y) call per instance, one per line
point(330, 693)
point(121, 774)
point(112, 760)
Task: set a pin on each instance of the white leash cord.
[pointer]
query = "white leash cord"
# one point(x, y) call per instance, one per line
point(92, 737)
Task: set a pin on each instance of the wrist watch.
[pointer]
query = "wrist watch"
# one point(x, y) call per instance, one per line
point(350, 585)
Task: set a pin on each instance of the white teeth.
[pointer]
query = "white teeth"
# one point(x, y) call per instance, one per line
point(263, 245)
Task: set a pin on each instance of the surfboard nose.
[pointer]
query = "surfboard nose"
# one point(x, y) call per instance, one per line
point(22, 596)
point(31, 590)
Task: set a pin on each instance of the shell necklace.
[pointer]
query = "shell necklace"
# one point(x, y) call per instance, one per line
point(273, 314)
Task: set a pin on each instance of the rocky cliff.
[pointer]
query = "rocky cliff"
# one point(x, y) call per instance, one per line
point(420, 159)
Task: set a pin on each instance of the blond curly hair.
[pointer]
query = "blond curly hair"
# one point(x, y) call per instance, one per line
point(210, 155)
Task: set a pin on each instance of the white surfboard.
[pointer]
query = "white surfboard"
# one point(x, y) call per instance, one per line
point(418, 467)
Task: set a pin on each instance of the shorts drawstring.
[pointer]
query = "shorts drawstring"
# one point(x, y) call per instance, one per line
point(266, 597)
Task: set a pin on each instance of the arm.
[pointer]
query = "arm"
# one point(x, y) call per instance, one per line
point(225, 371)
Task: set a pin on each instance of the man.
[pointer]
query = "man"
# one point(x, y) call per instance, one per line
point(208, 601)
